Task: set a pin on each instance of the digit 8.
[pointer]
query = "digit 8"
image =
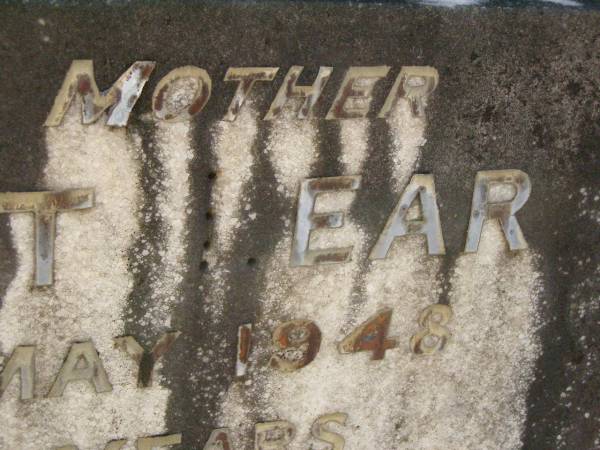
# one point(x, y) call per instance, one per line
point(434, 336)
point(297, 343)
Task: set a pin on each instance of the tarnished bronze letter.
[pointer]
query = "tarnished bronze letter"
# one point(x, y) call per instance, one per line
point(120, 97)
point(181, 94)
point(307, 220)
point(498, 194)
point(23, 361)
point(155, 442)
point(320, 431)
point(146, 360)
point(82, 364)
point(289, 90)
point(273, 435)
point(354, 97)
point(414, 83)
point(44, 206)
point(428, 224)
point(246, 77)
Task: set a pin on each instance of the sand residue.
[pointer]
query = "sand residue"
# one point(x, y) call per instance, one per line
point(86, 301)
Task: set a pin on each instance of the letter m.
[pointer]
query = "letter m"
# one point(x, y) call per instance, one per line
point(119, 99)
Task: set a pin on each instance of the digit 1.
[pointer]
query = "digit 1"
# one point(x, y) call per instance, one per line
point(371, 336)
point(243, 349)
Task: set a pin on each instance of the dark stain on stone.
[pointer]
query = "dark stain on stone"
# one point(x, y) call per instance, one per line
point(151, 236)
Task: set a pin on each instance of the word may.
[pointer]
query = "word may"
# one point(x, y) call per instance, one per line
point(83, 364)
point(353, 99)
point(498, 195)
point(274, 435)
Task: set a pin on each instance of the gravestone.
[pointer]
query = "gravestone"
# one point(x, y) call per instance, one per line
point(300, 225)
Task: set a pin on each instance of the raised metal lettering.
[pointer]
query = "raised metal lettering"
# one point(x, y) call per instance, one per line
point(22, 361)
point(289, 90)
point(428, 224)
point(44, 206)
point(112, 445)
point(181, 94)
point(434, 335)
point(307, 220)
point(414, 83)
point(501, 207)
point(319, 430)
point(82, 364)
point(243, 349)
point(354, 97)
point(120, 97)
point(146, 360)
point(156, 442)
point(246, 77)
point(219, 439)
point(273, 435)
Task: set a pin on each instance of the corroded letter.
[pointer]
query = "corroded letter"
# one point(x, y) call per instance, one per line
point(82, 364)
point(44, 206)
point(120, 97)
point(181, 94)
point(428, 224)
point(273, 435)
point(22, 361)
point(243, 349)
point(415, 84)
point(246, 77)
point(289, 90)
point(320, 431)
point(146, 360)
point(219, 440)
point(498, 194)
point(307, 220)
point(156, 442)
point(354, 97)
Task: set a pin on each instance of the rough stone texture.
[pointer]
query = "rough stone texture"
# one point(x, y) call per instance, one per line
point(519, 87)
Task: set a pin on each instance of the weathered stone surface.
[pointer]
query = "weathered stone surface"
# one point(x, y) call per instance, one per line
point(193, 236)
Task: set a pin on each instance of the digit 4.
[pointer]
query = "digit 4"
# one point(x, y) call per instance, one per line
point(371, 336)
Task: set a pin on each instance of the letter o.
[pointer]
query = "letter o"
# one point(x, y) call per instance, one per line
point(160, 98)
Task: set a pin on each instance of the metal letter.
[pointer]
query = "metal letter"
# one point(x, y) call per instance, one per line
point(484, 208)
point(354, 97)
point(307, 220)
point(219, 440)
point(398, 225)
point(120, 97)
point(172, 106)
point(22, 360)
point(243, 349)
point(112, 445)
point(44, 206)
point(82, 364)
point(289, 90)
point(146, 360)
point(154, 442)
point(320, 432)
point(414, 83)
point(246, 77)
point(273, 435)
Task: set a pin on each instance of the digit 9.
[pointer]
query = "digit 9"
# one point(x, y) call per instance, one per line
point(297, 343)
